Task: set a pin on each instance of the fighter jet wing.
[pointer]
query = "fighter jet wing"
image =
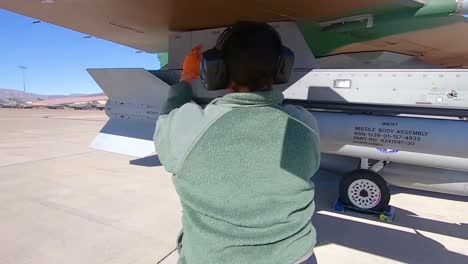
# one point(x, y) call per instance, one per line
point(145, 24)
point(433, 31)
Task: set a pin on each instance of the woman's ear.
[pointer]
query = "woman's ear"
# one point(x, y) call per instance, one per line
point(231, 87)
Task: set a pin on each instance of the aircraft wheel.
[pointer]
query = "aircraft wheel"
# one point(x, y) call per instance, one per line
point(365, 190)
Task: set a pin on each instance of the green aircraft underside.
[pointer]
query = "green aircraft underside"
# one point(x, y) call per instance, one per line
point(163, 59)
point(390, 20)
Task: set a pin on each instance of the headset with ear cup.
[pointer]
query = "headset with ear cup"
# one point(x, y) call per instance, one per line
point(214, 72)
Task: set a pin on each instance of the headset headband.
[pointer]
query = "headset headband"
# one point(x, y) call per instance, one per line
point(214, 72)
point(229, 30)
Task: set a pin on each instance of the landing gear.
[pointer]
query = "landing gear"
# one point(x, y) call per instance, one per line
point(365, 191)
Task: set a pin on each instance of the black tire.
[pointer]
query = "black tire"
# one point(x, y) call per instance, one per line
point(365, 195)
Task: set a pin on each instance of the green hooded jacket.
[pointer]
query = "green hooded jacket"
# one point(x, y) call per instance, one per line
point(242, 168)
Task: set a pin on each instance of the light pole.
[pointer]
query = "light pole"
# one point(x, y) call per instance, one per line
point(23, 70)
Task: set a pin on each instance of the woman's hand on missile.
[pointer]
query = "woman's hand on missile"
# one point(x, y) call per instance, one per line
point(191, 68)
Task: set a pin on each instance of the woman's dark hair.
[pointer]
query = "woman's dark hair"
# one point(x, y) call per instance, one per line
point(251, 55)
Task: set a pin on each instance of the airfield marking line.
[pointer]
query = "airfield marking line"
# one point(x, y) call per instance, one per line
point(165, 257)
point(47, 159)
point(83, 215)
point(69, 210)
point(89, 217)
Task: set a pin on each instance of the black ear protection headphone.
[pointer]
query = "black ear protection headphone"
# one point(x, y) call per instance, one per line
point(214, 71)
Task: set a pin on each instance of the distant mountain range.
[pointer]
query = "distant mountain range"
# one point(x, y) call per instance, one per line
point(6, 94)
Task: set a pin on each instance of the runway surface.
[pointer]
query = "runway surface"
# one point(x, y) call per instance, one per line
point(61, 202)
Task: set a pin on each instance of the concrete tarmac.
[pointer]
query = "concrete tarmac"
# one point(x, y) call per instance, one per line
point(61, 202)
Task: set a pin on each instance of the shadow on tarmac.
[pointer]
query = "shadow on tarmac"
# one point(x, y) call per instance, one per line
point(150, 161)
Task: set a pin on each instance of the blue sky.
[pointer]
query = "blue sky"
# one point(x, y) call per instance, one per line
point(57, 57)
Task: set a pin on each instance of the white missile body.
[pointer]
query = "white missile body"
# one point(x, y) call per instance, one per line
point(431, 147)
